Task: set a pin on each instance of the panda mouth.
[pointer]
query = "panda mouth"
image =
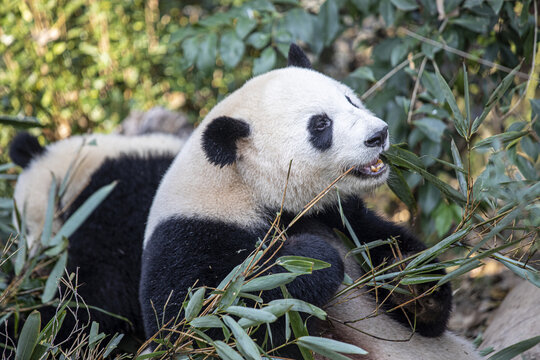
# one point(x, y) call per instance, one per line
point(375, 168)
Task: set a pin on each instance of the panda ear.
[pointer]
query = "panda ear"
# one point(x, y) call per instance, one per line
point(24, 148)
point(297, 57)
point(219, 139)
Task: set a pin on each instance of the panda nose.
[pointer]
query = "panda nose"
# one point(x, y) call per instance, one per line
point(378, 138)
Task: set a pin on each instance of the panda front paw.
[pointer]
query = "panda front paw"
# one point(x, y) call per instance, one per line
point(427, 310)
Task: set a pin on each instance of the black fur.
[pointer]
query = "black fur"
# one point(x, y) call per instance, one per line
point(297, 57)
point(320, 128)
point(107, 248)
point(24, 148)
point(219, 139)
point(369, 227)
point(183, 250)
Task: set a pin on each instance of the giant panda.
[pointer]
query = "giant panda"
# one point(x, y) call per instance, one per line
point(227, 184)
point(105, 250)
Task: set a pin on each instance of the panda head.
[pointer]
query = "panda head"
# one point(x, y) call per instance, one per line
point(301, 117)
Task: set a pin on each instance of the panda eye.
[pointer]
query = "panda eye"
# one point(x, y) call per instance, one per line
point(320, 122)
point(350, 102)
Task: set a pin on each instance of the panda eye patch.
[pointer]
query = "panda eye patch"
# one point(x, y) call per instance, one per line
point(350, 102)
point(320, 131)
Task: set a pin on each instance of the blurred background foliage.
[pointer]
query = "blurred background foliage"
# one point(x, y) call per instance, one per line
point(80, 66)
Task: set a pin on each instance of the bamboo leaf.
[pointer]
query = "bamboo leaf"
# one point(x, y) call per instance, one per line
point(252, 314)
point(459, 121)
point(20, 122)
point(494, 98)
point(49, 214)
point(459, 173)
point(53, 279)
point(301, 265)
point(406, 159)
point(440, 247)
point(29, 336)
point(500, 139)
point(269, 282)
point(463, 269)
point(331, 344)
point(207, 321)
point(302, 306)
point(195, 304)
point(514, 350)
point(299, 330)
point(467, 100)
point(226, 352)
point(397, 183)
point(82, 213)
point(245, 344)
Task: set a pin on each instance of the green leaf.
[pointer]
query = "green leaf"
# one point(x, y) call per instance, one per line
point(300, 264)
point(408, 160)
point(332, 345)
point(299, 330)
point(459, 172)
point(244, 26)
point(232, 292)
point(245, 344)
point(459, 120)
point(268, 282)
point(226, 352)
point(467, 100)
point(190, 50)
point(206, 59)
point(516, 349)
point(82, 213)
point(265, 62)
point(207, 321)
point(405, 5)
point(431, 82)
point(474, 23)
point(363, 72)
point(299, 305)
point(432, 128)
point(53, 279)
point(437, 249)
point(498, 140)
point(29, 336)
point(20, 122)
point(195, 304)
point(387, 12)
point(462, 269)
point(49, 214)
point(398, 54)
point(419, 279)
point(494, 98)
point(258, 40)
point(531, 275)
point(112, 344)
point(328, 21)
point(397, 183)
point(252, 314)
point(496, 5)
point(231, 49)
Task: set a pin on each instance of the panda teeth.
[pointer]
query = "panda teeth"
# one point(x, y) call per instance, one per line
point(377, 166)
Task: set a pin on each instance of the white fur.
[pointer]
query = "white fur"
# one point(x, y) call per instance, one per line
point(79, 152)
point(277, 106)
